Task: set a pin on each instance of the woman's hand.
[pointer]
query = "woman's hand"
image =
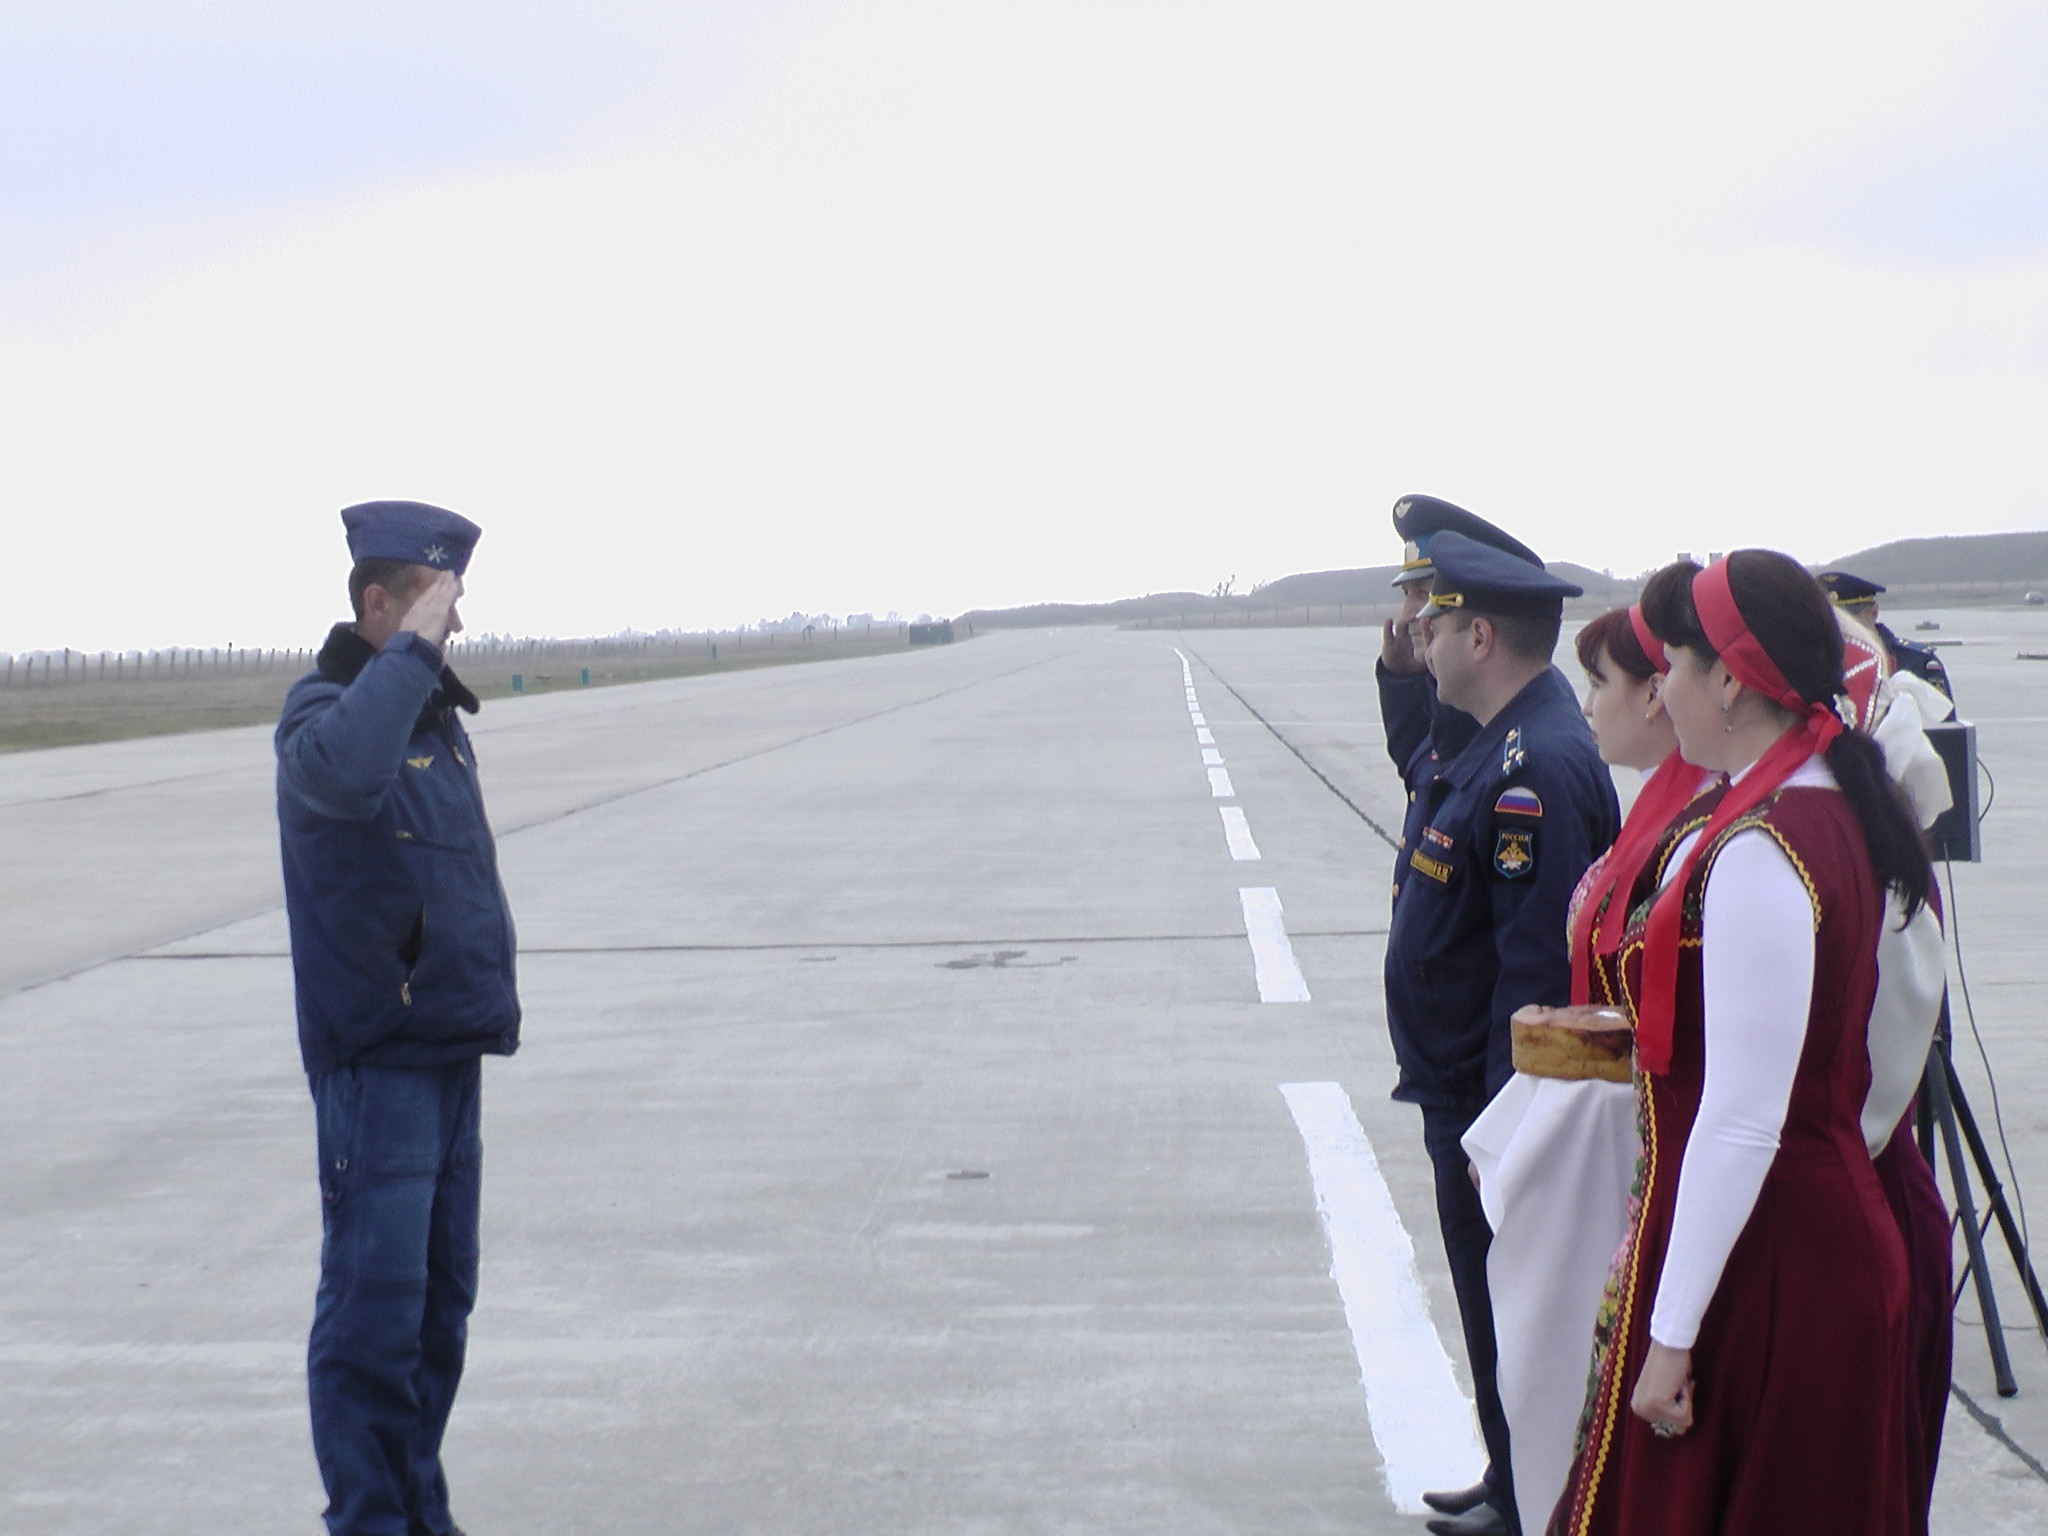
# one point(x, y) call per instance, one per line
point(1663, 1395)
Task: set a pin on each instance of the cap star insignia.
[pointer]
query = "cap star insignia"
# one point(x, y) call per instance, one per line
point(1512, 756)
point(436, 554)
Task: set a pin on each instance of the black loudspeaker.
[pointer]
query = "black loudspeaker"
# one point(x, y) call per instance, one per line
point(1956, 833)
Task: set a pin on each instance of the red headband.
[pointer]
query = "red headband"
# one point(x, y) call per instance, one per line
point(1653, 648)
point(1740, 651)
point(1749, 665)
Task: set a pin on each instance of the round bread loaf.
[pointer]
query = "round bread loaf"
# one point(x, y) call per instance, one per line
point(1575, 1044)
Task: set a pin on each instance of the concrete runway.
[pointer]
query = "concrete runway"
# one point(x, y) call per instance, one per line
point(798, 946)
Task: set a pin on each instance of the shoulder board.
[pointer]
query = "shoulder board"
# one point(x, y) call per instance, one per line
point(1512, 753)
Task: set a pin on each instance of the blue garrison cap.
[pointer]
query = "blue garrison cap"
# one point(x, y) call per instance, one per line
point(1847, 591)
point(1484, 579)
point(412, 531)
point(1419, 519)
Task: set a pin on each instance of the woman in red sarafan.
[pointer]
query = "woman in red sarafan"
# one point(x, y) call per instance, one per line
point(1750, 1371)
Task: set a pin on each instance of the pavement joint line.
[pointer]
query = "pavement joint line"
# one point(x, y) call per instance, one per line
point(1995, 1428)
point(502, 833)
point(622, 707)
point(1386, 837)
point(792, 948)
point(747, 757)
point(121, 789)
point(1273, 964)
point(1422, 1422)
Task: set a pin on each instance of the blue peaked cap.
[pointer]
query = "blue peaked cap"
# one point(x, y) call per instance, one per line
point(1477, 576)
point(416, 532)
point(1419, 519)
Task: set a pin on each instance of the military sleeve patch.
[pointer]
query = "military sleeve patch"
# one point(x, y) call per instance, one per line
point(1519, 801)
point(1514, 853)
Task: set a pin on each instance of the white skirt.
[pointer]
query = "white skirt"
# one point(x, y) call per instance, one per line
point(1555, 1162)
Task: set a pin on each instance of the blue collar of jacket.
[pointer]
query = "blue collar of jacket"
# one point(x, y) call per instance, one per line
point(346, 653)
point(1482, 753)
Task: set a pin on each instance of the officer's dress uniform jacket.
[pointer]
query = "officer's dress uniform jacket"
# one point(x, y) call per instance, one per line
point(402, 939)
point(1496, 841)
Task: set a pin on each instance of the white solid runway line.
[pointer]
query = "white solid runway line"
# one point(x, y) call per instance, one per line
point(1279, 976)
point(1423, 1424)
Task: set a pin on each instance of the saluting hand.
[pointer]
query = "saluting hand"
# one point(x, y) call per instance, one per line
point(432, 614)
point(1397, 648)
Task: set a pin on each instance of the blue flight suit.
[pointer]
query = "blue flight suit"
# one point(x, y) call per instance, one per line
point(1495, 841)
point(403, 950)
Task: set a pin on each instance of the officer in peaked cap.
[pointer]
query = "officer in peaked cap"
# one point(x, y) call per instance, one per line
point(1857, 596)
point(1501, 833)
point(402, 956)
point(1414, 718)
point(1419, 519)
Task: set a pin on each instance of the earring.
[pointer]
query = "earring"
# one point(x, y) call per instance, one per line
point(1726, 724)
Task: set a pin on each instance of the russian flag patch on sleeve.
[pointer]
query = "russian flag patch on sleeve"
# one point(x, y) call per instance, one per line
point(1519, 801)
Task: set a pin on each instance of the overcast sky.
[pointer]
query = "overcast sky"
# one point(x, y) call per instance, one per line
point(711, 311)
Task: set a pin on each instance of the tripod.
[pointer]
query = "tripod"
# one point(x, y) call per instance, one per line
point(1943, 1108)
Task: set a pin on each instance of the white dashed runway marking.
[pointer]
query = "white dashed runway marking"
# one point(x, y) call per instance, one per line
point(1273, 963)
point(1219, 784)
point(1212, 757)
point(1237, 832)
point(1423, 1424)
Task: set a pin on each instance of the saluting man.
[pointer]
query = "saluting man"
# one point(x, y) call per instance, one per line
point(402, 953)
point(1503, 831)
point(1857, 597)
point(1422, 731)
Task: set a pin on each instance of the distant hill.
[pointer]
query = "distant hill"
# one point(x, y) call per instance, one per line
point(1374, 585)
point(1969, 559)
point(1963, 568)
point(1362, 596)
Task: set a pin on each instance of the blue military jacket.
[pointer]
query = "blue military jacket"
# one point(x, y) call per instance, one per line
point(1920, 660)
point(1423, 733)
point(402, 942)
point(1494, 843)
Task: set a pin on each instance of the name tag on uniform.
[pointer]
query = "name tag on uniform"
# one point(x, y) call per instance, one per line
point(1436, 869)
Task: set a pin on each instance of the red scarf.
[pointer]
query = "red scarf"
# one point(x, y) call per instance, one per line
point(1747, 662)
point(1664, 794)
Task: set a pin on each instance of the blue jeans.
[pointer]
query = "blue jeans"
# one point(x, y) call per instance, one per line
point(400, 1165)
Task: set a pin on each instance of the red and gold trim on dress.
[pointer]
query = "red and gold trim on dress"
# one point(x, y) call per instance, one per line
point(1610, 1365)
